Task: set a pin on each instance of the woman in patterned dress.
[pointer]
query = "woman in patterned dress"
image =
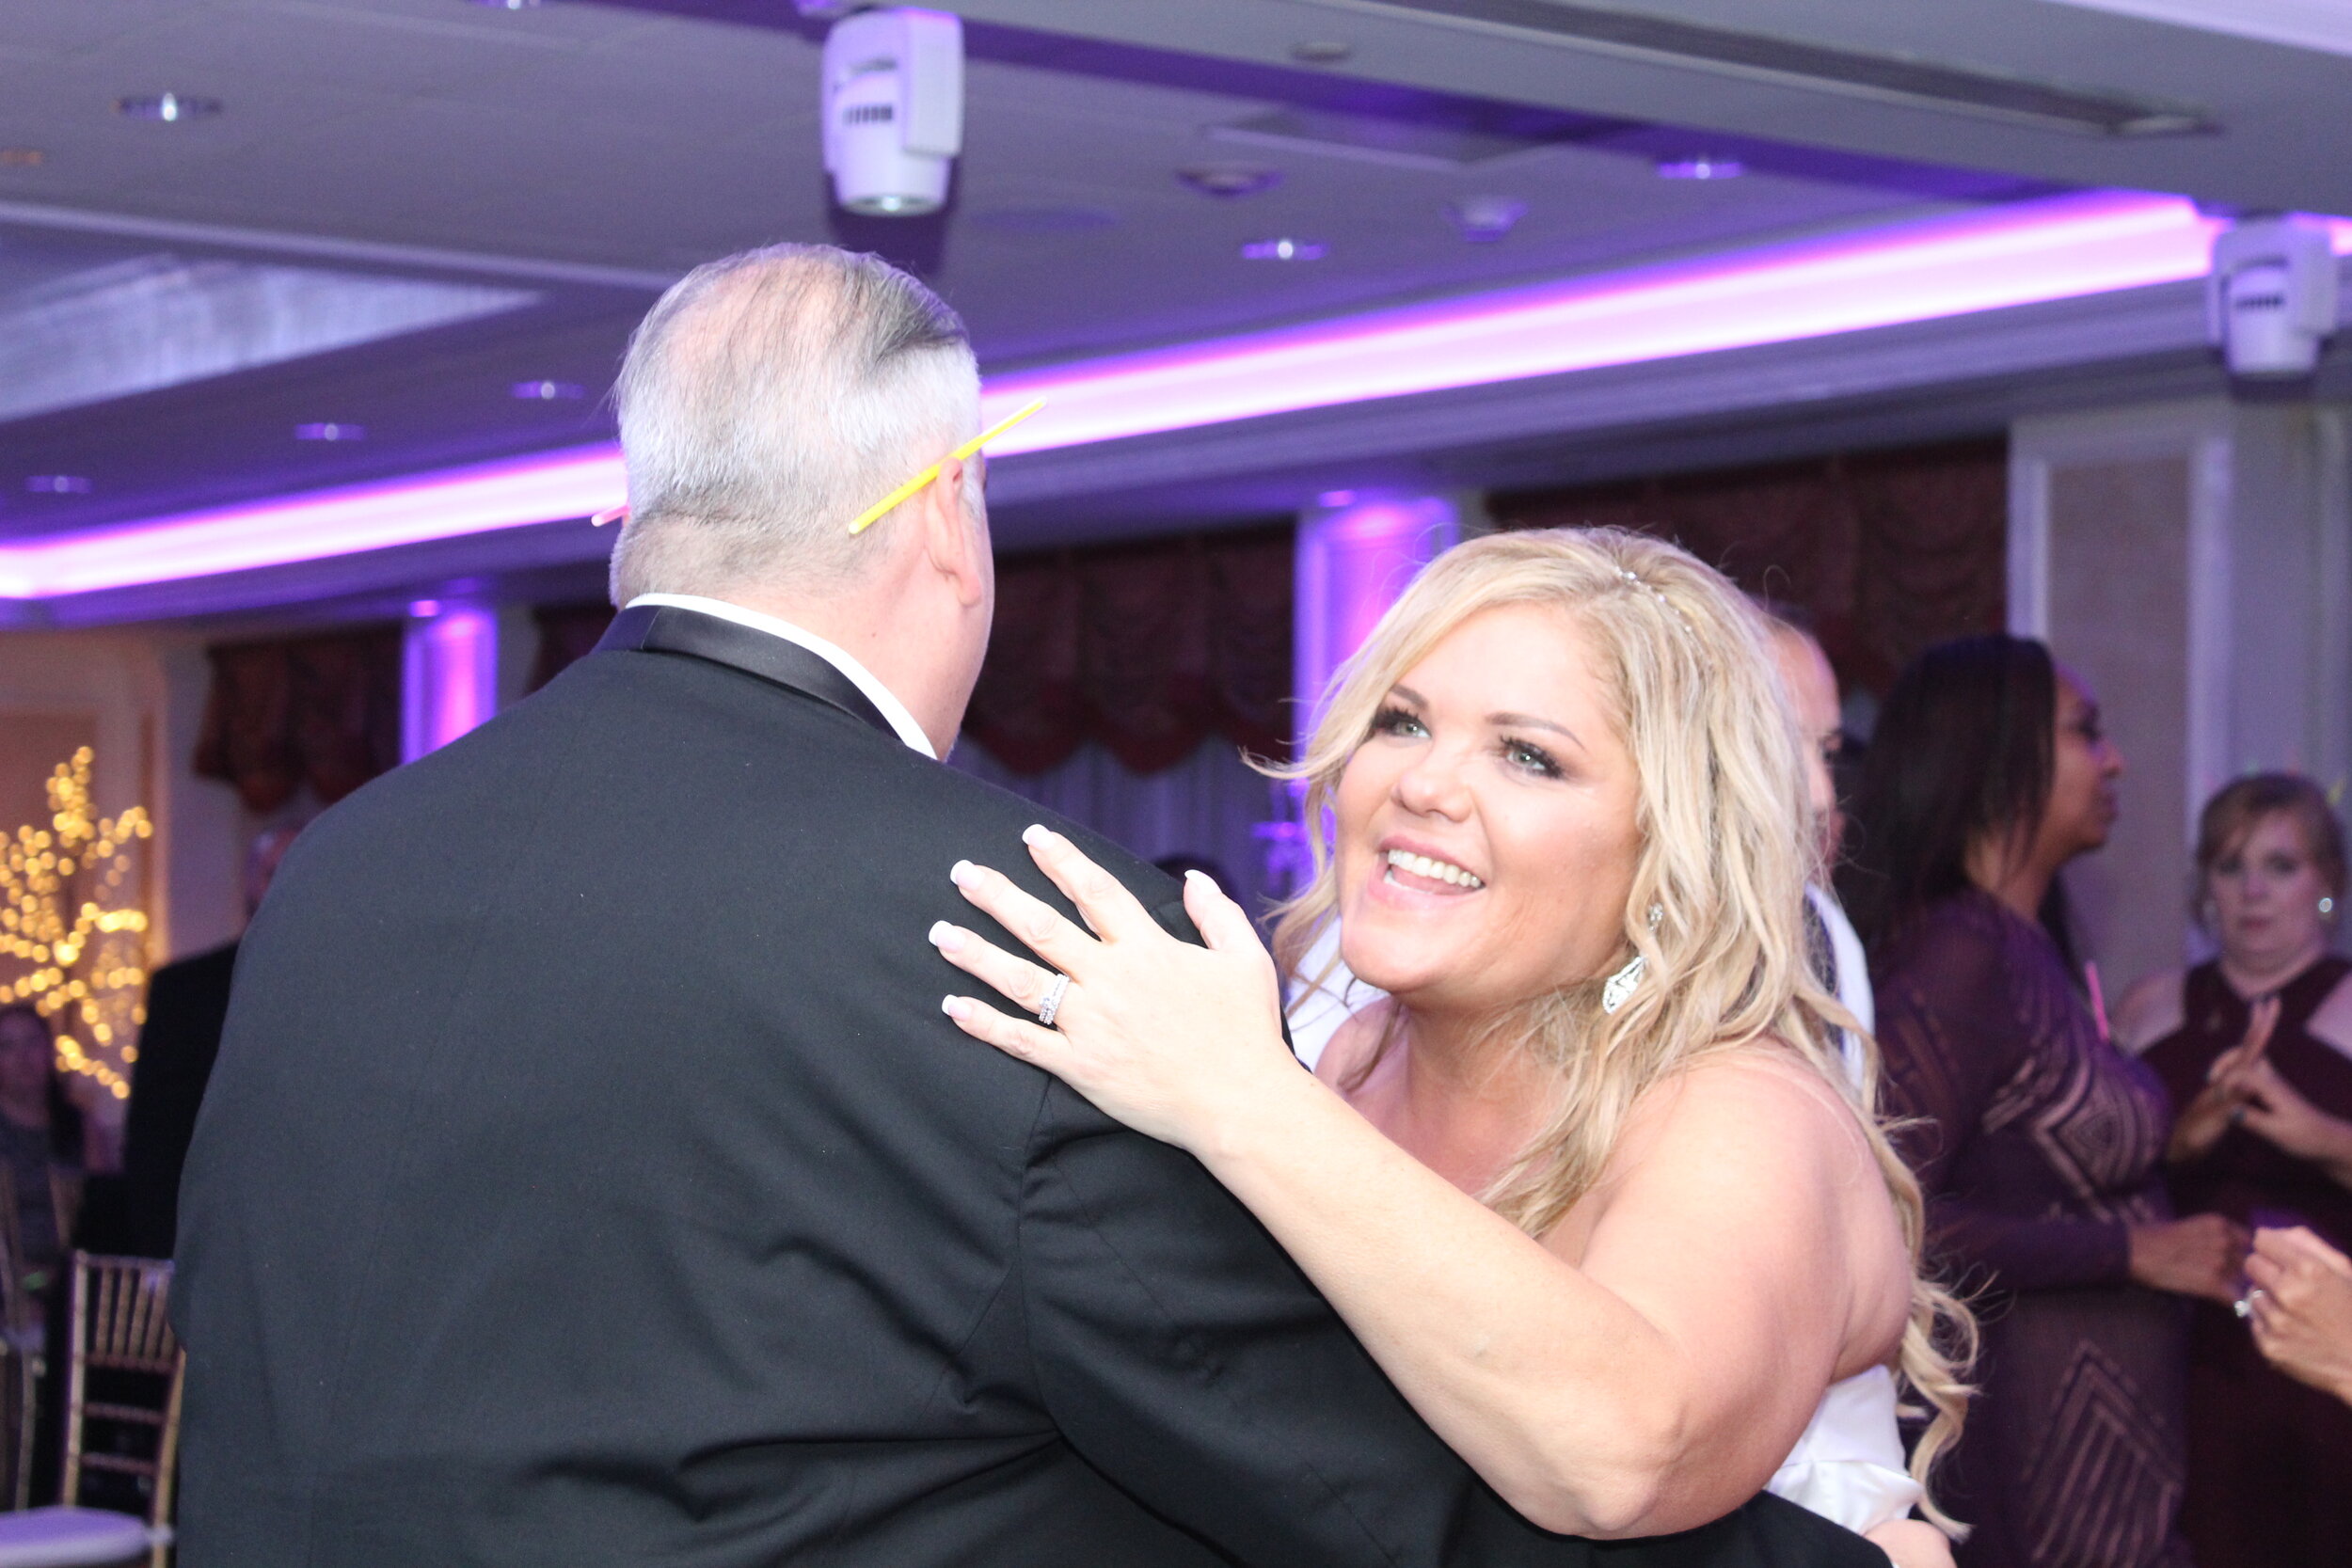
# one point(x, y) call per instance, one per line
point(2256, 1050)
point(2037, 1143)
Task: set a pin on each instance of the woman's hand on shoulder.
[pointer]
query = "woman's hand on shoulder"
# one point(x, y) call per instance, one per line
point(1177, 1041)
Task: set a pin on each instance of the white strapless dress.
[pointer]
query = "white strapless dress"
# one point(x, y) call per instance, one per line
point(1849, 1465)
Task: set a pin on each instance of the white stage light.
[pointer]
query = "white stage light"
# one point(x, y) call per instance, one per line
point(894, 108)
point(2270, 301)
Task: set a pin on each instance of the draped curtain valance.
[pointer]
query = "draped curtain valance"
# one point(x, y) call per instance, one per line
point(1148, 649)
point(322, 711)
point(1890, 551)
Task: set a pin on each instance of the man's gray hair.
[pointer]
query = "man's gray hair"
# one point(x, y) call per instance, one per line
point(767, 400)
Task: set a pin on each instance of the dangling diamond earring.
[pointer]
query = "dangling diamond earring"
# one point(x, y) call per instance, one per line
point(1621, 984)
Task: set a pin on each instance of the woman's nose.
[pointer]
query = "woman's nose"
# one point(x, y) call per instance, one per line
point(1433, 786)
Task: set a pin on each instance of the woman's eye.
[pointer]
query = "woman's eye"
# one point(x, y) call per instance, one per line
point(1395, 720)
point(1521, 753)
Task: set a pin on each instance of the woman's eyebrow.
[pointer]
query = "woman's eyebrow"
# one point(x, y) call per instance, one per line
point(1528, 722)
point(1403, 693)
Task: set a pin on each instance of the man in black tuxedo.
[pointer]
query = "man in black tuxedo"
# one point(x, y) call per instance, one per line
point(590, 1177)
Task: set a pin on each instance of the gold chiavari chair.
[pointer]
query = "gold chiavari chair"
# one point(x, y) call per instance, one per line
point(120, 1333)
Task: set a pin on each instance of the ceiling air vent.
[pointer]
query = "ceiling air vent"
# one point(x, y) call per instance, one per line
point(1888, 78)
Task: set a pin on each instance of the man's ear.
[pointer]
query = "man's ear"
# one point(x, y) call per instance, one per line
point(953, 545)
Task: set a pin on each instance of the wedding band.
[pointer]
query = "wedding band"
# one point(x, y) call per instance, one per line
point(1052, 1004)
point(2244, 1304)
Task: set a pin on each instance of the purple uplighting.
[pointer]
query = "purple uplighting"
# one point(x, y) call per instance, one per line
point(450, 677)
point(2020, 255)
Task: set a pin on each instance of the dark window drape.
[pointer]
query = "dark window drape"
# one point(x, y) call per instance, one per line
point(566, 632)
point(322, 711)
point(1888, 550)
point(1148, 649)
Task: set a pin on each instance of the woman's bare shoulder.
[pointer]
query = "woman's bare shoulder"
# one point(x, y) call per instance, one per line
point(2150, 1010)
point(1762, 1105)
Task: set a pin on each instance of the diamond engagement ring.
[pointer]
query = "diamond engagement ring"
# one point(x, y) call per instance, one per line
point(1052, 1004)
point(2244, 1304)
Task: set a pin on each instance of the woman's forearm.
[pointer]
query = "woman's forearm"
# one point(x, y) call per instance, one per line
point(1568, 1402)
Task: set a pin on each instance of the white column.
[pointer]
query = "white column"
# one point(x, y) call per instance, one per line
point(449, 673)
point(1354, 556)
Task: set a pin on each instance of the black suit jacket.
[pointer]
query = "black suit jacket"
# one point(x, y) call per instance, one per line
point(589, 1176)
point(187, 1004)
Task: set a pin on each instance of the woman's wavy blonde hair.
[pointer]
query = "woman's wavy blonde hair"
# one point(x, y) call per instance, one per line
point(1726, 849)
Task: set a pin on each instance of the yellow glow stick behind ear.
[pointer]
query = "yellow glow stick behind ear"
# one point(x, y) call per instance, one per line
point(873, 513)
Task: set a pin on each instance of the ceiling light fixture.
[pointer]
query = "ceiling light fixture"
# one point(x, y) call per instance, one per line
point(1321, 51)
point(506, 5)
point(1700, 166)
point(549, 391)
point(58, 484)
point(2021, 254)
point(330, 432)
point(893, 110)
point(1284, 250)
point(169, 107)
point(1229, 179)
point(1483, 219)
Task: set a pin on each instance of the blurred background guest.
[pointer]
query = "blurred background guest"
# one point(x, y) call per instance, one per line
point(187, 1004)
point(2256, 1050)
point(2039, 1143)
point(42, 1144)
point(2300, 1307)
point(1812, 687)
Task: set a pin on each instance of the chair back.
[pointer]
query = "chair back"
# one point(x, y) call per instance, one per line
point(120, 1330)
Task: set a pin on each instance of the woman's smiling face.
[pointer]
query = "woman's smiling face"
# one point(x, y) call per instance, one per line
point(1486, 837)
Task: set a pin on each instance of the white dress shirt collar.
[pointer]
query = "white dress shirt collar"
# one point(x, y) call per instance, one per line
point(840, 659)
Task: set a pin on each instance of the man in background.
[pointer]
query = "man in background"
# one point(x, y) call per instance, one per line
point(1812, 687)
point(187, 1001)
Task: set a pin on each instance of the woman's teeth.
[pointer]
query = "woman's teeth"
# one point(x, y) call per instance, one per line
point(1441, 871)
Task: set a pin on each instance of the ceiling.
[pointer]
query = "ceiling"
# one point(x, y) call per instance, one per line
point(476, 200)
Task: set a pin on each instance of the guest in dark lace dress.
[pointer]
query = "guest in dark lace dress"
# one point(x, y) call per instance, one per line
point(2256, 1050)
point(2037, 1143)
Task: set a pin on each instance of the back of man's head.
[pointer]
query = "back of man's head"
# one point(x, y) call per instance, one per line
point(767, 400)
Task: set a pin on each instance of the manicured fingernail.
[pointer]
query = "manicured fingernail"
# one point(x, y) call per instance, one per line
point(954, 1008)
point(1197, 874)
point(963, 873)
point(1034, 834)
point(945, 937)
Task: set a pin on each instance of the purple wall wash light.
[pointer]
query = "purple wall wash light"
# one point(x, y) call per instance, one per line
point(2025, 253)
point(449, 674)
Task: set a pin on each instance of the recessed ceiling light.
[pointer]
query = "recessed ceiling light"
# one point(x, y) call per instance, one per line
point(1321, 52)
point(1700, 166)
point(1336, 498)
point(58, 484)
point(1226, 180)
point(1486, 218)
point(169, 106)
point(22, 157)
point(330, 432)
point(1282, 250)
point(507, 5)
point(424, 610)
point(549, 391)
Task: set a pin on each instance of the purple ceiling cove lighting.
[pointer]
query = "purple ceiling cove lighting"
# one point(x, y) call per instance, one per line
point(2019, 255)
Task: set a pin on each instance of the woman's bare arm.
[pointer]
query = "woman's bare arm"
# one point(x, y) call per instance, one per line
point(1740, 1254)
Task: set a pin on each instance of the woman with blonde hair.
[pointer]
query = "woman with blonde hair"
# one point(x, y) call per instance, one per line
point(1591, 1184)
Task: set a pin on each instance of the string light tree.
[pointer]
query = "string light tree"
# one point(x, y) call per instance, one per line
point(67, 915)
